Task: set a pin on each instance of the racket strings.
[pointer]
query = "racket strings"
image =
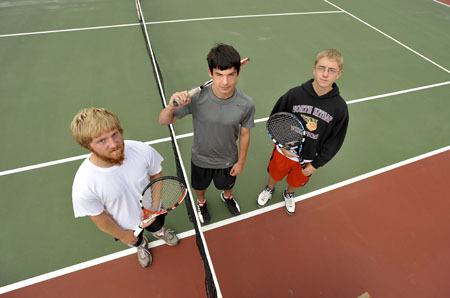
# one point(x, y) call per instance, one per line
point(163, 195)
point(285, 130)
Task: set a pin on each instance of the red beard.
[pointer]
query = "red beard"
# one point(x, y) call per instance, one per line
point(115, 157)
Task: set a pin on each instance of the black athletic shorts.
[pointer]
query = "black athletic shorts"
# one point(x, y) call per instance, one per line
point(201, 178)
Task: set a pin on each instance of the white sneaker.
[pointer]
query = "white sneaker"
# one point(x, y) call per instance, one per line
point(167, 235)
point(143, 254)
point(290, 202)
point(265, 196)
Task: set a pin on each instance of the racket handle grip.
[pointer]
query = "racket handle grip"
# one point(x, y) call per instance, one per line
point(145, 223)
point(190, 93)
point(194, 91)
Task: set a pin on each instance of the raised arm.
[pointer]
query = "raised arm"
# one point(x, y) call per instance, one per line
point(166, 116)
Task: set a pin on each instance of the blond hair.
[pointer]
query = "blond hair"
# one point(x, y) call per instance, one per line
point(331, 54)
point(91, 122)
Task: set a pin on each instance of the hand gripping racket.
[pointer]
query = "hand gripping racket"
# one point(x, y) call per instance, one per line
point(287, 132)
point(194, 91)
point(160, 196)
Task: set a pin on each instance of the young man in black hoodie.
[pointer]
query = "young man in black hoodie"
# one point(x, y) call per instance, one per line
point(324, 114)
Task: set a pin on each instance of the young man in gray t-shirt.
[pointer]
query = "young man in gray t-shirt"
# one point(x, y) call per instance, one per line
point(221, 115)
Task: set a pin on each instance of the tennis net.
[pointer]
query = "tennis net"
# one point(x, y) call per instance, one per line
point(211, 284)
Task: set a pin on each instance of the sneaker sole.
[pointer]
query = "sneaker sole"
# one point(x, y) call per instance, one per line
point(260, 206)
point(169, 244)
point(289, 212)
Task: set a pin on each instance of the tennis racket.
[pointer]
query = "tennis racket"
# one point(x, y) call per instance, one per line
point(194, 91)
point(160, 196)
point(287, 132)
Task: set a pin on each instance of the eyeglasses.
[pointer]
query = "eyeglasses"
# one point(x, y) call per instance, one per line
point(332, 71)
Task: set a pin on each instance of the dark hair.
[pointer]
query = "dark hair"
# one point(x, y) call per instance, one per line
point(223, 57)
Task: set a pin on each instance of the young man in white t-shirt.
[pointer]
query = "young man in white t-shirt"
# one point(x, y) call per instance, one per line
point(108, 184)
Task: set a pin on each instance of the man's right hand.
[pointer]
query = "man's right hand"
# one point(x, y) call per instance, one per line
point(128, 237)
point(181, 98)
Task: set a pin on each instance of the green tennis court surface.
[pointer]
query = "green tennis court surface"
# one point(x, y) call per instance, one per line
point(57, 57)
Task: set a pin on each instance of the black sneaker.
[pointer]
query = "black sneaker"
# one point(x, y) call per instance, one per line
point(203, 213)
point(232, 205)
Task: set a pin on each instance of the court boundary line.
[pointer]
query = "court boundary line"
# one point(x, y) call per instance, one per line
point(164, 22)
point(442, 3)
point(68, 30)
point(245, 16)
point(190, 134)
point(331, 187)
point(228, 221)
point(390, 37)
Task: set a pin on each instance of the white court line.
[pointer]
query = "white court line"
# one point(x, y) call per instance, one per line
point(445, 4)
point(390, 37)
point(127, 252)
point(68, 30)
point(166, 22)
point(78, 157)
point(246, 16)
point(382, 96)
point(84, 265)
point(327, 188)
point(75, 158)
point(398, 92)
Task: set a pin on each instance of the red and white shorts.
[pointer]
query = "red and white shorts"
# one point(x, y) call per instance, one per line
point(280, 166)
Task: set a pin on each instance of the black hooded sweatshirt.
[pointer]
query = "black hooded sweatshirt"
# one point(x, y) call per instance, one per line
point(325, 119)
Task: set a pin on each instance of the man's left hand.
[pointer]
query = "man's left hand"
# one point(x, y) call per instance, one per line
point(236, 169)
point(308, 170)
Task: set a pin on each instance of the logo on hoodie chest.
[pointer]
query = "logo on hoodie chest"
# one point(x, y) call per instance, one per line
point(313, 111)
point(310, 123)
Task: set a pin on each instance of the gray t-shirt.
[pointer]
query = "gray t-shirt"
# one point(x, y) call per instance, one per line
point(217, 124)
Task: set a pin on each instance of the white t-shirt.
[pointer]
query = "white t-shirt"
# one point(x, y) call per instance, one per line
point(117, 189)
